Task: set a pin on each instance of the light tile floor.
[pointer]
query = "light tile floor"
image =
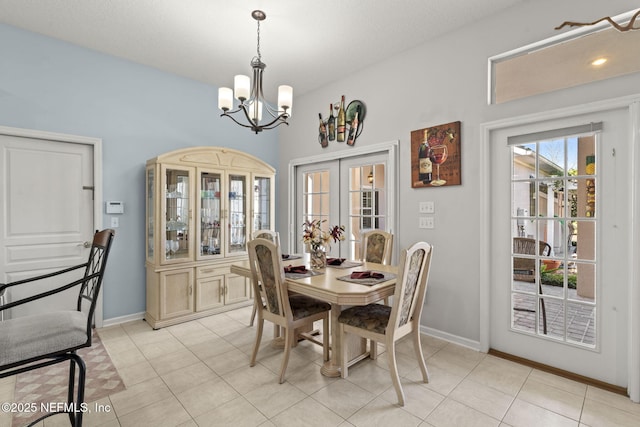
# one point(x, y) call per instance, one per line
point(198, 374)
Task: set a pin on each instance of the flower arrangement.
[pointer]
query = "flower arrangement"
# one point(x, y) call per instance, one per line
point(314, 236)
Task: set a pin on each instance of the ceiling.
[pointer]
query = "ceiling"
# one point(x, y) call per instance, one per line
point(306, 44)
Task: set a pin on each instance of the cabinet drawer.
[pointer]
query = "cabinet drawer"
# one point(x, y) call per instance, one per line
point(210, 270)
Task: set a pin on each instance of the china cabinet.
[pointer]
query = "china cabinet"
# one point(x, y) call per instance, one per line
point(202, 204)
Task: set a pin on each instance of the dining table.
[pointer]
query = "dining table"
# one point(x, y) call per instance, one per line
point(334, 285)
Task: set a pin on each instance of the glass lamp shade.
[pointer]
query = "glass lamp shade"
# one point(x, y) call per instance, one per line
point(255, 110)
point(241, 87)
point(225, 98)
point(285, 98)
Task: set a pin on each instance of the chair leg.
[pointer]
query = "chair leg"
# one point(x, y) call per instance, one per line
point(82, 372)
point(393, 370)
point(288, 343)
point(70, 394)
point(256, 346)
point(420, 355)
point(544, 316)
point(253, 311)
point(373, 349)
point(344, 363)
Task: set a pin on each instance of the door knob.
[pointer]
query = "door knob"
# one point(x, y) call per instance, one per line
point(86, 244)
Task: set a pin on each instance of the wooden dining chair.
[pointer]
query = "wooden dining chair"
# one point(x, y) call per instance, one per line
point(274, 236)
point(377, 246)
point(290, 312)
point(381, 323)
point(36, 340)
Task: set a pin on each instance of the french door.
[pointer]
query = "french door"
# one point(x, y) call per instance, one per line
point(560, 232)
point(357, 191)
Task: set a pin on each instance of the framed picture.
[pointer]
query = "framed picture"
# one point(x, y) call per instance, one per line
point(435, 156)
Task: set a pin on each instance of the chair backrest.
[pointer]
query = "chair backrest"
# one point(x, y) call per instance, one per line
point(94, 272)
point(411, 286)
point(267, 275)
point(377, 246)
point(271, 235)
point(525, 245)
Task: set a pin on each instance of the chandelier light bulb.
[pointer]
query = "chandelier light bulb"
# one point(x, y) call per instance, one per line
point(225, 98)
point(241, 87)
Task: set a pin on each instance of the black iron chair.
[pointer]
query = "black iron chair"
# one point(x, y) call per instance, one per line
point(524, 269)
point(44, 339)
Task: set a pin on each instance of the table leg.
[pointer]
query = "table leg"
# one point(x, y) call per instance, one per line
point(332, 367)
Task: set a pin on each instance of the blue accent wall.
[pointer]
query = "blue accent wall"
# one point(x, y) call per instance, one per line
point(137, 111)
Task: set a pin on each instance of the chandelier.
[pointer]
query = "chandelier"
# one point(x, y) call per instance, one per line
point(251, 97)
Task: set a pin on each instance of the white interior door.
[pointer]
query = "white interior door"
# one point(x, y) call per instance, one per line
point(46, 214)
point(532, 186)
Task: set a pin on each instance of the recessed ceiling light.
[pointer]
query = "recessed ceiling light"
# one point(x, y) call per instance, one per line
point(599, 61)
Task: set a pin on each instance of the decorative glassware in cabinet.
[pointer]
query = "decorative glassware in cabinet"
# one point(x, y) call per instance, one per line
point(237, 213)
point(177, 214)
point(150, 213)
point(210, 209)
point(262, 203)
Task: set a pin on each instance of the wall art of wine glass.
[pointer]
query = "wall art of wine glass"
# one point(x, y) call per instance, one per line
point(435, 156)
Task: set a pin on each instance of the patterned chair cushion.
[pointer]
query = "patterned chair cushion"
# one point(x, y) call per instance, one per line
point(304, 306)
point(372, 317)
point(375, 248)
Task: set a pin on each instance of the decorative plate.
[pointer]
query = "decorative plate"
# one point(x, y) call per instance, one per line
point(352, 108)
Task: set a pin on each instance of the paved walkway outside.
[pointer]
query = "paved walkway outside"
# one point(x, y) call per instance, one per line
point(580, 318)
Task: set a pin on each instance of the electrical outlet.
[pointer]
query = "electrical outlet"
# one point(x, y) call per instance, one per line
point(115, 223)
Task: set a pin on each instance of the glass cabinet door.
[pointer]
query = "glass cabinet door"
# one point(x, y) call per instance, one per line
point(177, 214)
point(210, 212)
point(262, 203)
point(150, 213)
point(237, 214)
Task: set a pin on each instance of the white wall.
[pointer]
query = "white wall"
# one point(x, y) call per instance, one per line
point(441, 82)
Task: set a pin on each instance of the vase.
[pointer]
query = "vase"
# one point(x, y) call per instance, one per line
point(318, 258)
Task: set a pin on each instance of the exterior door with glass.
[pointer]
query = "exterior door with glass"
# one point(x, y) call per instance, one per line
point(560, 228)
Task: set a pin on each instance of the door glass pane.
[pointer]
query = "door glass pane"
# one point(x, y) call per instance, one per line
point(210, 206)
point(150, 213)
point(177, 215)
point(316, 196)
point(553, 208)
point(262, 204)
point(367, 203)
point(237, 213)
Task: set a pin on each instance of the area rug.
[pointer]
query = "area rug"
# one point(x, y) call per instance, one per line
point(49, 384)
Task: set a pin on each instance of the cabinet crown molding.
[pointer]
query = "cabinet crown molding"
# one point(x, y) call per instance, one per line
point(215, 156)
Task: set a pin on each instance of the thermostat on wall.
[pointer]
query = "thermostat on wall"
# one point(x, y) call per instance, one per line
point(115, 207)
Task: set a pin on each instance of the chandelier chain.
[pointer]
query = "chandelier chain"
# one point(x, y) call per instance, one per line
point(258, 48)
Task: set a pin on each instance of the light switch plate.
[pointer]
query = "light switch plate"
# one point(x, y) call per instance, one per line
point(430, 222)
point(426, 222)
point(426, 207)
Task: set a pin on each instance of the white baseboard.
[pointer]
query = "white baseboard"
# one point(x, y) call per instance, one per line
point(123, 319)
point(465, 342)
